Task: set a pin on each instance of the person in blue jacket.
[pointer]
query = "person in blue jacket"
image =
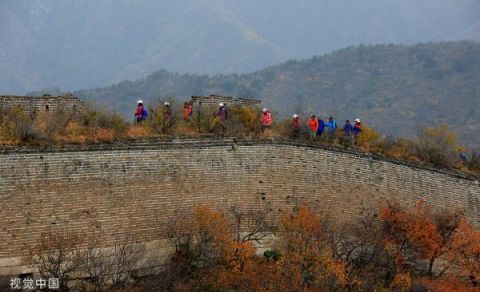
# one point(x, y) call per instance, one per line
point(332, 128)
point(321, 127)
point(347, 133)
point(347, 128)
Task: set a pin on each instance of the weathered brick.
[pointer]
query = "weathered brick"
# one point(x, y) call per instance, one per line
point(40, 106)
point(133, 188)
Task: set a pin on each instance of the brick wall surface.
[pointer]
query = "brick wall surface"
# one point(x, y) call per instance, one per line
point(215, 100)
point(40, 105)
point(134, 188)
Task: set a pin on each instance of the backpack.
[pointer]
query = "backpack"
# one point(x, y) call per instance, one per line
point(144, 113)
point(333, 125)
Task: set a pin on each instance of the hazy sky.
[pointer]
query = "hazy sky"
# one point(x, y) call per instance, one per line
point(77, 44)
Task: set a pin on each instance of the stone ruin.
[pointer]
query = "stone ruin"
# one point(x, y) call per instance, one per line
point(41, 106)
point(214, 100)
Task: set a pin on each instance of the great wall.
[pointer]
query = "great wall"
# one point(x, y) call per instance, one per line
point(39, 106)
point(131, 189)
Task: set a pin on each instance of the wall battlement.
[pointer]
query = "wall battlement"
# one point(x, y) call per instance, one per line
point(215, 100)
point(134, 188)
point(36, 106)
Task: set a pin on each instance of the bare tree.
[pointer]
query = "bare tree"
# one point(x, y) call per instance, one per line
point(109, 268)
point(362, 248)
point(57, 256)
point(125, 260)
point(82, 262)
point(58, 122)
point(94, 265)
point(252, 224)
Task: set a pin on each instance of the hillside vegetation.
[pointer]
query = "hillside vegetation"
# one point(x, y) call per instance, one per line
point(395, 88)
point(434, 147)
point(394, 249)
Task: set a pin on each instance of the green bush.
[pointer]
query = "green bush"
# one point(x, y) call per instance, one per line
point(272, 254)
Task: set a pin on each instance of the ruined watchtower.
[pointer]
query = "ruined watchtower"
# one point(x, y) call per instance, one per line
point(213, 101)
point(38, 106)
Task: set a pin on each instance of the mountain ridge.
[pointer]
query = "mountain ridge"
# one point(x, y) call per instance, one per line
point(396, 88)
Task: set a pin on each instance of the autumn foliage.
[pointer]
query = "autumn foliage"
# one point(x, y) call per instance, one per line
point(399, 250)
point(308, 256)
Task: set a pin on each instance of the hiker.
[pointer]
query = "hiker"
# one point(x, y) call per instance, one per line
point(167, 112)
point(462, 157)
point(357, 130)
point(187, 111)
point(313, 126)
point(332, 128)
point(219, 124)
point(267, 120)
point(295, 126)
point(347, 129)
point(141, 113)
point(190, 110)
point(221, 113)
point(321, 127)
point(225, 110)
point(347, 133)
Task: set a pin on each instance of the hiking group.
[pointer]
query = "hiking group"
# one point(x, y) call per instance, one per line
point(315, 125)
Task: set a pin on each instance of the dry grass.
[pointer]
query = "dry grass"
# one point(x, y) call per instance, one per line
point(137, 131)
point(434, 145)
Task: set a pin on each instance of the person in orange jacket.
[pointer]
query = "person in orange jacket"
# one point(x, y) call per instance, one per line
point(267, 120)
point(187, 111)
point(313, 126)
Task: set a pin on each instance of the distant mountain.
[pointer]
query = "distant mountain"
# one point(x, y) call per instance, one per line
point(76, 44)
point(395, 88)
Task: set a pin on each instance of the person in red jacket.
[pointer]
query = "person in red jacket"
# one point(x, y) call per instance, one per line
point(295, 126)
point(313, 126)
point(222, 112)
point(357, 130)
point(140, 113)
point(267, 120)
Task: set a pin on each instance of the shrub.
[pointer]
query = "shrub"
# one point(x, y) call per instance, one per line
point(17, 126)
point(474, 162)
point(248, 116)
point(404, 149)
point(56, 124)
point(7, 130)
point(272, 254)
point(158, 122)
point(75, 132)
point(234, 126)
point(437, 146)
point(284, 128)
point(102, 119)
point(369, 139)
point(203, 120)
